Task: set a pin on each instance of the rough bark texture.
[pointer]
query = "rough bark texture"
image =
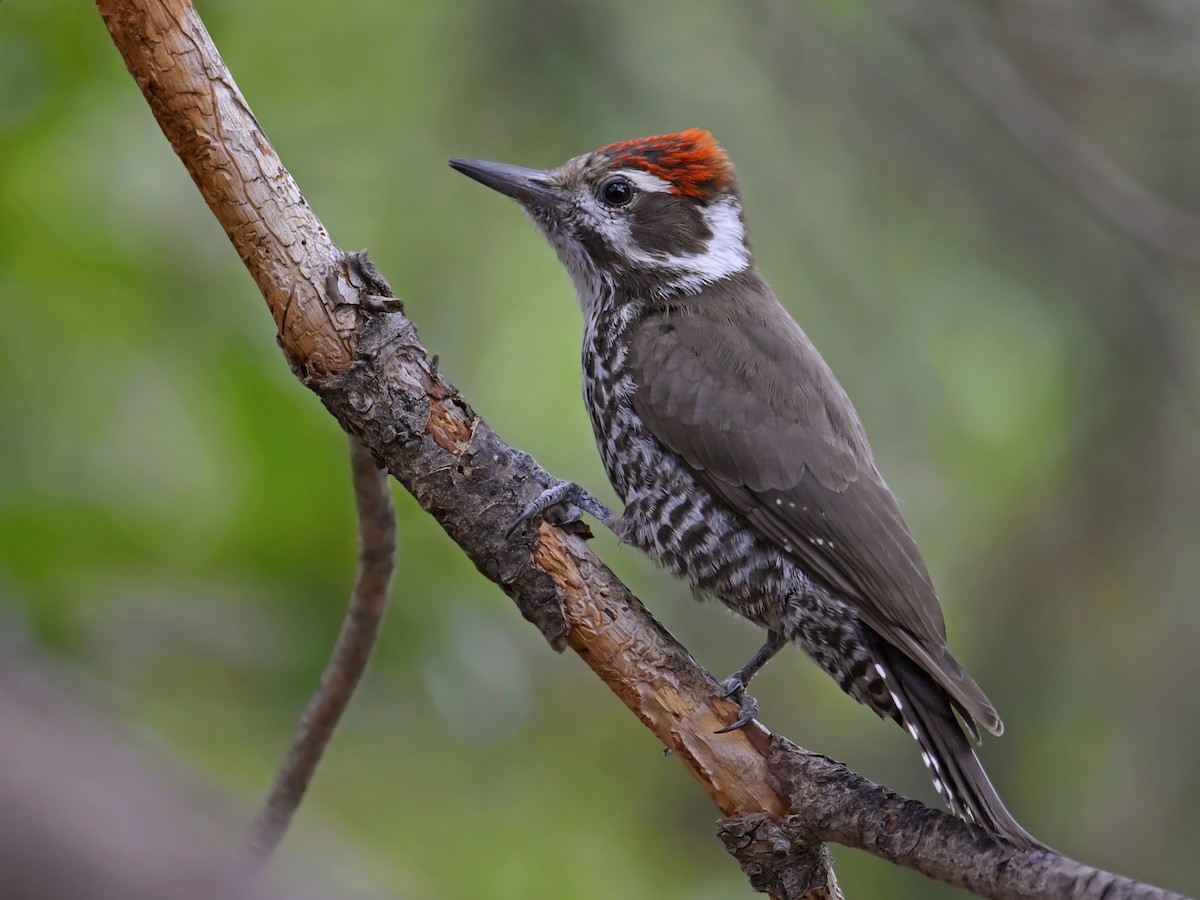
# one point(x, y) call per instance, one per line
point(370, 370)
point(834, 804)
point(474, 484)
point(781, 861)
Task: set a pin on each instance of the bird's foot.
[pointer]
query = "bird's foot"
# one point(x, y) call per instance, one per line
point(734, 688)
point(563, 504)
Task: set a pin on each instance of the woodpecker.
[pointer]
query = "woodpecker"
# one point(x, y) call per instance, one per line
point(742, 463)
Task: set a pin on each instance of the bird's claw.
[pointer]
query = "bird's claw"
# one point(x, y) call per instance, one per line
point(561, 504)
point(733, 688)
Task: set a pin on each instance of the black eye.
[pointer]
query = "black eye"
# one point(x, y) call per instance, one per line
point(616, 190)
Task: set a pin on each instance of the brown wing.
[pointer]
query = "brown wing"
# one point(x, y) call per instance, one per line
point(742, 396)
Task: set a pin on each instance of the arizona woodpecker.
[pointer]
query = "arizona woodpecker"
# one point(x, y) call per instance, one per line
point(741, 462)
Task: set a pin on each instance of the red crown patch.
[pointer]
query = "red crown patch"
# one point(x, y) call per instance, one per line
point(690, 160)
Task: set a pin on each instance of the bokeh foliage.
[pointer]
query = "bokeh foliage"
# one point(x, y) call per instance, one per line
point(174, 507)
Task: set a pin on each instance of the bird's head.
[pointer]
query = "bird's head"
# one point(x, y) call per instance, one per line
point(652, 217)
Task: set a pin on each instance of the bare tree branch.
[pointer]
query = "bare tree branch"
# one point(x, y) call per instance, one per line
point(347, 662)
point(831, 803)
point(373, 374)
point(375, 377)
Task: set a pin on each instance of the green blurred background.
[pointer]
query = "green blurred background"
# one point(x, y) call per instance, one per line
point(175, 515)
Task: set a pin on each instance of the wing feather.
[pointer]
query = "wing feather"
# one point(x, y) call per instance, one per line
point(751, 408)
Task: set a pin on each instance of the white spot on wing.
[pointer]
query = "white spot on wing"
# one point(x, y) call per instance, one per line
point(895, 697)
point(932, 763)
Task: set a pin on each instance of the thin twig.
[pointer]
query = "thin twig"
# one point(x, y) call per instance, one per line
point(376, 555)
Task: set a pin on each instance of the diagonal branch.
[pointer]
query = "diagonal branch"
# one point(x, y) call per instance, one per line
point(347, 662)
point(363, 358)
point(374, 375)
point(831, 803)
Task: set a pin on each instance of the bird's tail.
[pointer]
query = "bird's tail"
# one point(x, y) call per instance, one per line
point(929, 716)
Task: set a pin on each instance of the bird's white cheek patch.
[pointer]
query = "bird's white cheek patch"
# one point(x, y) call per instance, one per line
point(725, 253)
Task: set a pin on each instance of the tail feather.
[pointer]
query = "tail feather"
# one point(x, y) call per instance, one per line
point(928, 714)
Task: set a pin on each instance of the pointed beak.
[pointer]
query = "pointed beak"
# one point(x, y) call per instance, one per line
point(530, 187)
